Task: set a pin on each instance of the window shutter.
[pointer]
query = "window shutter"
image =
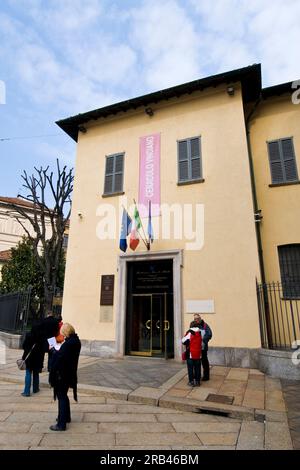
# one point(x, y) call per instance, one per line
point(195, 159)
point(189, 159)
point(289, 160)
point(114, 174)
point(275, 162)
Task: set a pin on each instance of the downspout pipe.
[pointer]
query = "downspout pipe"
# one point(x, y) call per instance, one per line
point(254, 193)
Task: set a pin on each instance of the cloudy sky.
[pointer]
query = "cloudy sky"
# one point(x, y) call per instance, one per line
point(63, 57)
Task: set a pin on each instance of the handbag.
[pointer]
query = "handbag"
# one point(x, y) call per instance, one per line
point(183, 356)
point(21, 363)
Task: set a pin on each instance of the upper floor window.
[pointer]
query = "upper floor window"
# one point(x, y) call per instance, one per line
point(289, 262)
point(114, 171)
point(282, 161)
point(189, 160)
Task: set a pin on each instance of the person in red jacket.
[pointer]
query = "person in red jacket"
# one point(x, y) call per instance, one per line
point(193, 342)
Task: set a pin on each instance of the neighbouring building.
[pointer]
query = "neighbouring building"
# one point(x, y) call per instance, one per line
point(217, 158)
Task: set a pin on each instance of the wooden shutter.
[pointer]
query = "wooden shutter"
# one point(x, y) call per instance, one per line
point(109, 170)
point(289, 160)
point(195, 158)
point(114, 174)
point(183, 160)
point(282, 161)
point(275, 162)
point(189, 159)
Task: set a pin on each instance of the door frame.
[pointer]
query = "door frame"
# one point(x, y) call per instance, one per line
point(177, 258)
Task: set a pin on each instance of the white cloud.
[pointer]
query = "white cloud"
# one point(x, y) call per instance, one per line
point(239, 32)
point(167, 42)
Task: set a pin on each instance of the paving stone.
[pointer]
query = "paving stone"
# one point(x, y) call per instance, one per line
point(157, 439)
point(178, 392)
point(68, 439)
point(274, 401)
point(211, 448)
point(20, 439)
point(146, 395)
point(139, 408)
point(94, 408)
point(238, 374)
point(208, 427)
point(218, 439)
point(256, 372)
point(42, 417)
point(277, 436)
point(272, 384)
point(14, 427)
point(118, 418)
point(252, 436)
point(135, 427)
point(261, 415)
point(82, 428)
point(254, 399)
point(187, 418)
point(4, 415)
point(220, 370)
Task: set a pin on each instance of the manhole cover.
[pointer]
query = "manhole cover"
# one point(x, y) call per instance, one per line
point(220, 399)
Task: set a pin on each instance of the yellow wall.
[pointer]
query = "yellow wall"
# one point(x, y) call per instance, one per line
point(225, 269)
point(276, 118)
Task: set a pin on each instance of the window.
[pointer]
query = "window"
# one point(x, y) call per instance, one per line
point(282, 161)
point(189, 160)
point(289, 262)
point(114, 170)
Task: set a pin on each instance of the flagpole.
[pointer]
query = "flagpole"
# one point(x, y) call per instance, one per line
point(145, 242)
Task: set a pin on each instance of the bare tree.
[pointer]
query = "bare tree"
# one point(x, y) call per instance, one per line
point(47, 251)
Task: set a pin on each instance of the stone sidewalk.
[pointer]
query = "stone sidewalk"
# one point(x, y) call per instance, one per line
point(144, 403)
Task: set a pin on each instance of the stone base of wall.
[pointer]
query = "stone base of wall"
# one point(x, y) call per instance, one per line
point(11, 340)
point(279, 363)
point(233, 357)
point(98, 348)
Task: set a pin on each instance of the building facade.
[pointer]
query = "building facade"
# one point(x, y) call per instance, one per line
point(195, 141)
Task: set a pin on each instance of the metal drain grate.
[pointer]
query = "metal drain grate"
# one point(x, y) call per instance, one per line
point(225, 399)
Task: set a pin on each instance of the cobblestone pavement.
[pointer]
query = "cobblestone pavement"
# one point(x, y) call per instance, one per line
point(291, 392)
point(115, 408)
point(129, 373)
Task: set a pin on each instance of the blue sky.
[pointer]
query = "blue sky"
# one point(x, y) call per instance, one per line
point(63, 57)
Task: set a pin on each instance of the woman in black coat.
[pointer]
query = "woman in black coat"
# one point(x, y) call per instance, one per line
point(63, 375)
point(34, 346)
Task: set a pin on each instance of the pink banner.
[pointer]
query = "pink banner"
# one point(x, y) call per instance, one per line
point(149, 186)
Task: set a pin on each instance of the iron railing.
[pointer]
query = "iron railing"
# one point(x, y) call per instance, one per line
point(279, 314)
point(14, 309)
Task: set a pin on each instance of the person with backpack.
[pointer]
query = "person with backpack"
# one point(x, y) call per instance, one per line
point(206, 334)
point(193, 342)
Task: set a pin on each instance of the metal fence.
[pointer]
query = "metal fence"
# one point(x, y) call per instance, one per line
point(14, 311)
point(279, 307)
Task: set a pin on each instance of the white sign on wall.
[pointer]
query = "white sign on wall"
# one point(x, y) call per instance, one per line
point(200, 306)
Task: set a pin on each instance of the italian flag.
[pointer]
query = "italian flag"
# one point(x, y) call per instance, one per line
point(136, 225)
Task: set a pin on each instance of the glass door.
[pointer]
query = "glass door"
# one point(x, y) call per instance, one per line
point(149, 325)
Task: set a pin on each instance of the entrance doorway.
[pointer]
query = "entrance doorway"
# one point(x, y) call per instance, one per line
point(149, 330)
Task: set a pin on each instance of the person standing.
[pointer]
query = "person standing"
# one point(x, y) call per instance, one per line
point(193, 342)
point(206, 334)
point(34, 358)
point(63, 375)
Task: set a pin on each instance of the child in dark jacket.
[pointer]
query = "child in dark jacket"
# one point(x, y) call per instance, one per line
point(193, 342)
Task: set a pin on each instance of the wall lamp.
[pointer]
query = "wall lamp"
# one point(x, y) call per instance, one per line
point(82, 129)
point(149, 111)
point(230, 90)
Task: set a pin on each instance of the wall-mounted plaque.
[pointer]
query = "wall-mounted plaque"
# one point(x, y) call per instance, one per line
point(107, 289)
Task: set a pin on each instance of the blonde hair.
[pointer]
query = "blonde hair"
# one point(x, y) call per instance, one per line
point(67, 330)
